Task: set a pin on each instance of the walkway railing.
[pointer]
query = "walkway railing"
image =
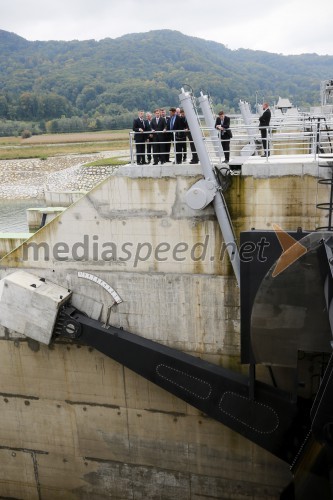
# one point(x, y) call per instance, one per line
point(304, 136)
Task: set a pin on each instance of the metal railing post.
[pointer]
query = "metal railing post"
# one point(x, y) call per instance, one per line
point(131, 148)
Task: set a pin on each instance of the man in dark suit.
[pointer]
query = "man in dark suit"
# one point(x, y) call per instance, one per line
point(183, 135)
point(158, 126)
point(188, 135)
point(177, 124)
point(167, 137)
point(264, 121)
point(139, 128)
point(149, 137)
point(222, 123)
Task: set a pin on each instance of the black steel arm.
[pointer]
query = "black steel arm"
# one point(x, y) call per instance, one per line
point(268, 419)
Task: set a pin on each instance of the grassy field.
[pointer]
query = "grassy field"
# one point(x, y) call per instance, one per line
point(43, 146)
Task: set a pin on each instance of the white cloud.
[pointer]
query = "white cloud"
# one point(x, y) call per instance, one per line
point(287, 26)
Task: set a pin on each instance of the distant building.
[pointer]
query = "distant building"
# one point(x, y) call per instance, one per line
point(283, 105)
point(284, 108)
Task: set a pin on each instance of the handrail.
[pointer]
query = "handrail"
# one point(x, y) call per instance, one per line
point(286, 137)
point(326, 161)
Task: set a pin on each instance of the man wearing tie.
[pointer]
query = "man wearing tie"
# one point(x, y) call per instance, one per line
point(149, 138)
point(158, 126)
point(177, 124)
point(139, 128)
point(167, 136)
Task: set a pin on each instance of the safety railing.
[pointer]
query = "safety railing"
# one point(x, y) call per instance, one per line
point(326, 161)
point(284, 137)
point(169, 146)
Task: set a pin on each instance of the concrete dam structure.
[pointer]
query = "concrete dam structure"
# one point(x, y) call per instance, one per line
point(133, 254)
point(76, 424)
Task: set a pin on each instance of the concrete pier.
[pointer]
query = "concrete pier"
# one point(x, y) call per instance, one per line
point(39, 216)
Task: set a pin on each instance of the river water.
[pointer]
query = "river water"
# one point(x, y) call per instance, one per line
point(13, 218)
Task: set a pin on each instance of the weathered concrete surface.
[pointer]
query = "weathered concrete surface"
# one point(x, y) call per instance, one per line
point(57, 198)
point(282, 190)
point(21, 292)
point(87, 427)
point(98, 430)
point(9, 241)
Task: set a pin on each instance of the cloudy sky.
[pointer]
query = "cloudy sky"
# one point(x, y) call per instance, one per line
point(281, 26)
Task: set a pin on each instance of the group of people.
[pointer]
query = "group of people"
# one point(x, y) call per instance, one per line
point(154, 135)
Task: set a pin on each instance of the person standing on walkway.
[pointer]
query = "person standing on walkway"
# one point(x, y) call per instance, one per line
point(158, 127)
point(139, 128)
point(176, 124)
point(168, 137)
point(188, 135)
point(149, 138)
point(264, 121)
point(183, 135)
point(222, 124)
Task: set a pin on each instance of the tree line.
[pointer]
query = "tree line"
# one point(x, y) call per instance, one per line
point(88, 85)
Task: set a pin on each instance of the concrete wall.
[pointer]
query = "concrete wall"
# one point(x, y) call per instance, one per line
point(9, 241)
point(77, 425)
point(62, 198)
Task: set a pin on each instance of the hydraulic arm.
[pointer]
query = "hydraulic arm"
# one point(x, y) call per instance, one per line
point(221, 394)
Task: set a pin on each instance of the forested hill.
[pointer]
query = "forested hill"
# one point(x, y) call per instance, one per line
point(47, 80)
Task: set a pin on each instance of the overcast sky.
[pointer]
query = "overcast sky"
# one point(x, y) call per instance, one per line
point(280, 26)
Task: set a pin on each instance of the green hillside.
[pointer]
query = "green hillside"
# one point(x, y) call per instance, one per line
point(101, 84)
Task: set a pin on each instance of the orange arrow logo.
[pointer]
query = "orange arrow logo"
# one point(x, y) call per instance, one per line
point(292, 250)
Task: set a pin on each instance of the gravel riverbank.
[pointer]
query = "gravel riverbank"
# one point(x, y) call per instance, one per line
point(24, 179)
